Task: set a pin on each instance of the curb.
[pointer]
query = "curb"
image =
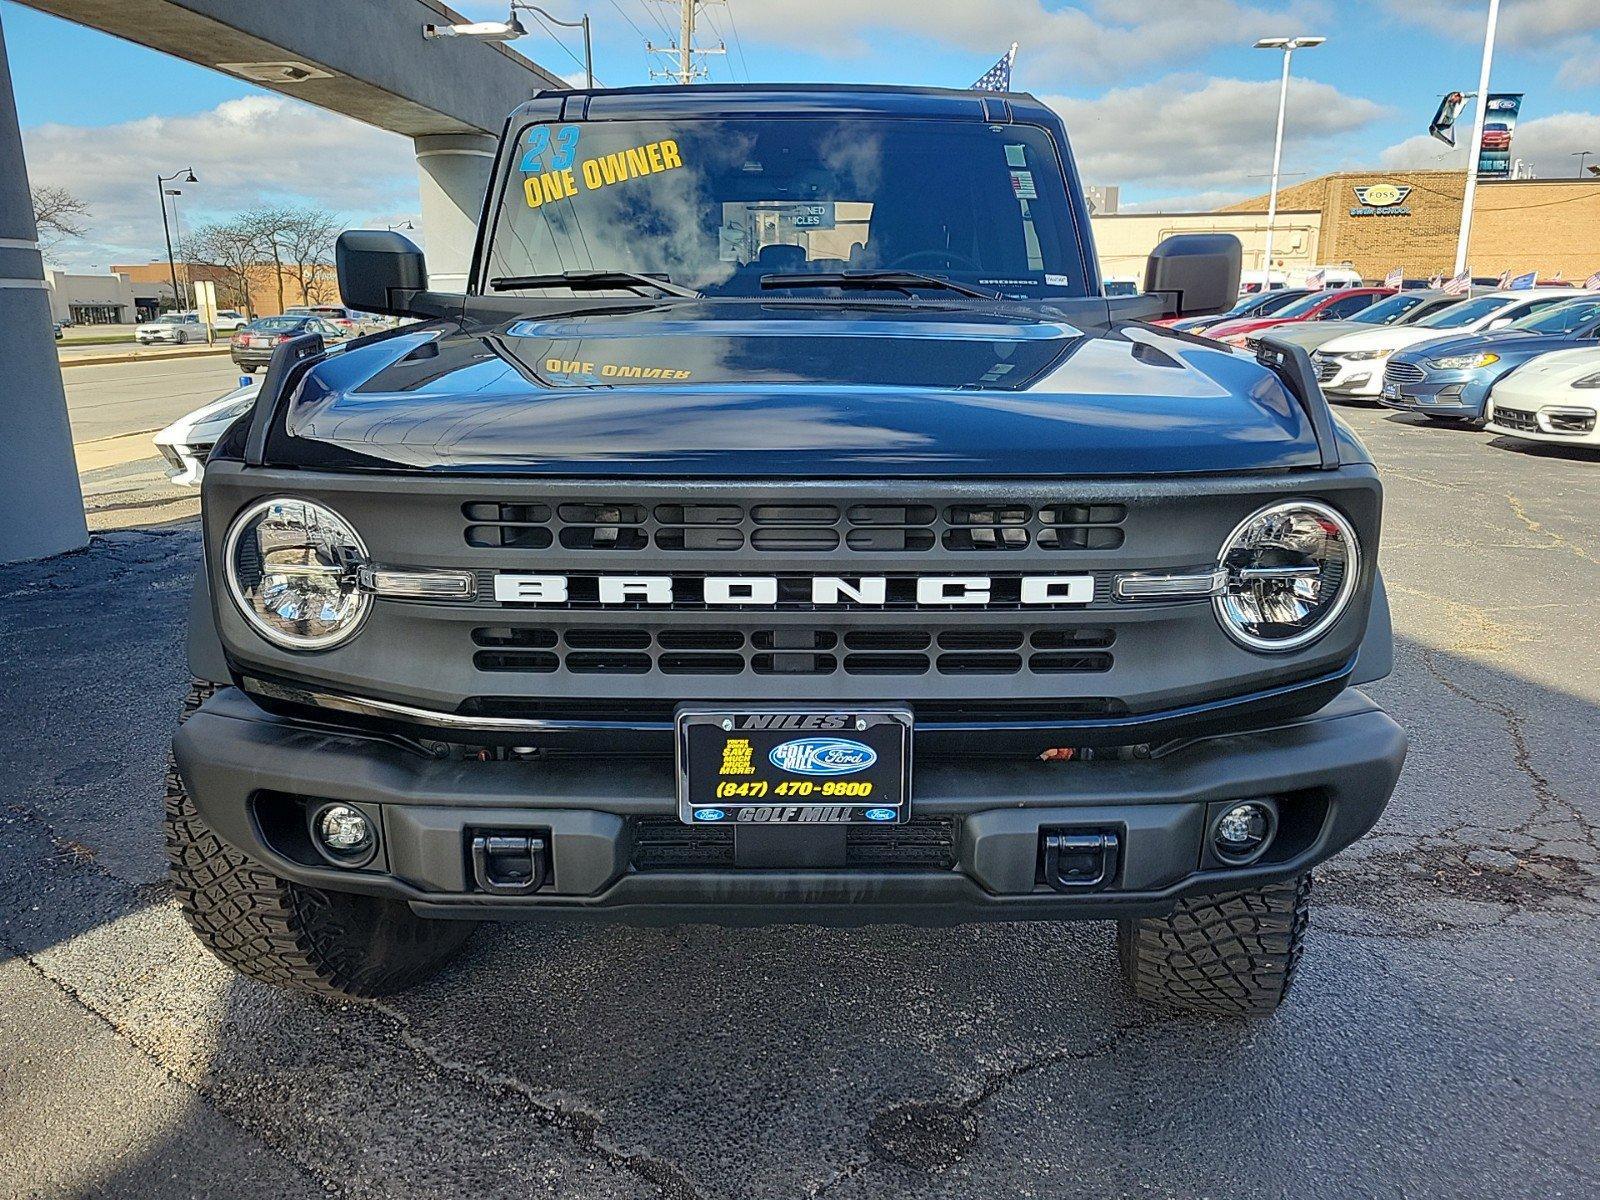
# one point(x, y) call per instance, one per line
point(93, 360)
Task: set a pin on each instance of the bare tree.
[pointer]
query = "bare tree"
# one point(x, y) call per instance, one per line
point(271, 229)
point(236, 247)
point(58, 214)
point(307, 247)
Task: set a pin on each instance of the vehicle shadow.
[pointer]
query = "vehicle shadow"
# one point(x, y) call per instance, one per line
point(1547, 449)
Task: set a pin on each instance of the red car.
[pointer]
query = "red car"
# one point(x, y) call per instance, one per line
point(1334, 304)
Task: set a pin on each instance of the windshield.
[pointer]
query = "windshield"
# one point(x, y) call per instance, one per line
point(716, 205)
point(1387, 312)
point(1459, 315)
point(278, 324)
point(1561, 318)
point(1302, 306)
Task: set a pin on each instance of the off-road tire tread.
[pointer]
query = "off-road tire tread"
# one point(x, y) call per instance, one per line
point(1231, 954)
point(329, 943)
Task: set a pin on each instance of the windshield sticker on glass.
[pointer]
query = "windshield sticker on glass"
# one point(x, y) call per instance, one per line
point(539, 140)
point(561, 183)
point(1016, 155)
point(1022, 185)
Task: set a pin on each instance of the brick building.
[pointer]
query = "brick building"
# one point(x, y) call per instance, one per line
point(1379, 220)
point(263, 282)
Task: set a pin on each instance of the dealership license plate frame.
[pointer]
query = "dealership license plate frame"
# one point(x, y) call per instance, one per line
point(883, 728)
point(1393, 391)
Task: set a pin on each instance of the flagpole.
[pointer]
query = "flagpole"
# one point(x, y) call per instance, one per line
point(1475, 149)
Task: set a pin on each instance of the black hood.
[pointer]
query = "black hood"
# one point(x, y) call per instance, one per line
point(755, 390)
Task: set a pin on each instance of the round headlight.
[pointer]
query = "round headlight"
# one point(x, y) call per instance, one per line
point(1292, 568)
point(291, 568)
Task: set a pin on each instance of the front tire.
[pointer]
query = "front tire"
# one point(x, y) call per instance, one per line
point(1232, 954)
point(267, 928)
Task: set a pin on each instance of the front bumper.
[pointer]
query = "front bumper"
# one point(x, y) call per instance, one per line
point(1331, 774)
point(1567, 424)
point(1350, 377)
point(1458, 394)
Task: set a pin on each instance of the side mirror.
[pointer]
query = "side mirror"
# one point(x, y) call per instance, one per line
point(1195, 274)
point(379, 270)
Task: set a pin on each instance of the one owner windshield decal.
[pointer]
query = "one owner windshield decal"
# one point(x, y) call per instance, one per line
point(562, 180)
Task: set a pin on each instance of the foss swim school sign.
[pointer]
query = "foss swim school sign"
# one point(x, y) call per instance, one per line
point(1382, 200)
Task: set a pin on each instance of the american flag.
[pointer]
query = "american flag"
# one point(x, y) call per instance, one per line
point(1459, 284)
point(1504, 280)
point(998, 77)
point(1316, 279)
point(1436, 281)
point(1593, 282)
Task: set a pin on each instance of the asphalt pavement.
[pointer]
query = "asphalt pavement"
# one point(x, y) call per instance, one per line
point(1441, 1041)
point(115, 409)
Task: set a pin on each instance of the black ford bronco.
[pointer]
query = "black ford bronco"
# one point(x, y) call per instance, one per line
point(783, 527)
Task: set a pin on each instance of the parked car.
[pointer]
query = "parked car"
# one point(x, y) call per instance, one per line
point(612, 594)
point(176, 328)
point(1553, 398)
point(1450, 379)
point(1329, 304)
point(348, 319)
point(228, 320)
point(186, 442)
point(252, 346)
point(58, 330)
point(1352, 366)
point(1253, 304)
point(1403, 308)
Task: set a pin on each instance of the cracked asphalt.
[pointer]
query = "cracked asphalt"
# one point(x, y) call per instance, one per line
point(1441, 1041)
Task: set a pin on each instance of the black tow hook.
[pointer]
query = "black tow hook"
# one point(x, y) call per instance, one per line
point(1080, 862)
point(509, 864)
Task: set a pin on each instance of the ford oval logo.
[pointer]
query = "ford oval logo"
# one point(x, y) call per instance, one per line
point(880, 814)
point(709, 814)
point(823, 756)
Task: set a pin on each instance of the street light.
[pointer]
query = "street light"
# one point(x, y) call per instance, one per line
point(188, 176)
point(511, 29)
point(1580, 155)
point(402, 225)
point(1288, 46)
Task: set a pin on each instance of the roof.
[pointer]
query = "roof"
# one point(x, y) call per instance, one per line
point(765, 99)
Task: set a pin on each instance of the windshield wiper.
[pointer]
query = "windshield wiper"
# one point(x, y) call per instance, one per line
point(898, 281)
point(593, 281)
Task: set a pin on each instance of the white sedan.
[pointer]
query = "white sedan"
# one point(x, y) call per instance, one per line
point(1355, 364)
point(186, 442)
point(176, 328)
point(1552, 398)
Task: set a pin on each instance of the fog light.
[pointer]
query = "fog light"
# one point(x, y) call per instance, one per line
point(1243, 831)
point(344, 834)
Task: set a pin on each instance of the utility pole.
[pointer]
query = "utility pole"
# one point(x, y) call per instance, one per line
point(1475, 148)
point(685, 49)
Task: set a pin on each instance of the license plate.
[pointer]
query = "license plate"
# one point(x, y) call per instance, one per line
point(793, 766)
point(1391, 391)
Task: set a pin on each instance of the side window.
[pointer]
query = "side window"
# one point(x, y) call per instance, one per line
point(1347, 306)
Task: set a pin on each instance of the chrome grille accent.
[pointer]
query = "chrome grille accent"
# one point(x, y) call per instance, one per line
point(809, 528)
point(1403, 373)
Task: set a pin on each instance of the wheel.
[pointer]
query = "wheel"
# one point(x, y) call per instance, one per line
point(181, 338)
point(1231, 954)
point(327, 943)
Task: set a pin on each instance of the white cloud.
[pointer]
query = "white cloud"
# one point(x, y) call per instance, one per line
point(1522, 22)
point(1186, 135)
point(1096, 41)
point(253, 150)
point(1545, 143)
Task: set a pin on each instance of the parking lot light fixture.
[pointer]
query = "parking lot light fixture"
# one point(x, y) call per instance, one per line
point(1288, 45)
point(187, 175)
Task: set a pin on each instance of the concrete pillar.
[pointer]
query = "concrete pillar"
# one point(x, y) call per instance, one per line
point(41, 506)
point(454, 170)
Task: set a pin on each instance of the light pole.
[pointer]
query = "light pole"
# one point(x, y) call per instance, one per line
point(1580, 155)
point(1288, 46)
point(1475, 148)
point(402, 225)
point(188, 176)
point(511, 29)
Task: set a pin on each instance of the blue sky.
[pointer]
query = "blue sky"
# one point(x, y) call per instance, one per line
point(1163, 97)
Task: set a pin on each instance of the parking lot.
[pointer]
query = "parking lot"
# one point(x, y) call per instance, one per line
point(1441, 1040)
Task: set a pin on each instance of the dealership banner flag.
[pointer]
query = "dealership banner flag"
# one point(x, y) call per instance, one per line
point(1460, 284)
point(1443, 125)
point(1395, 278)
point(1523, 282)
point(998, 77)
point(1500, 114)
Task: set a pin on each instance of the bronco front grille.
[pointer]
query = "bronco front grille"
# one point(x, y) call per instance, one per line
point(792, 651)
point(809, 528)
